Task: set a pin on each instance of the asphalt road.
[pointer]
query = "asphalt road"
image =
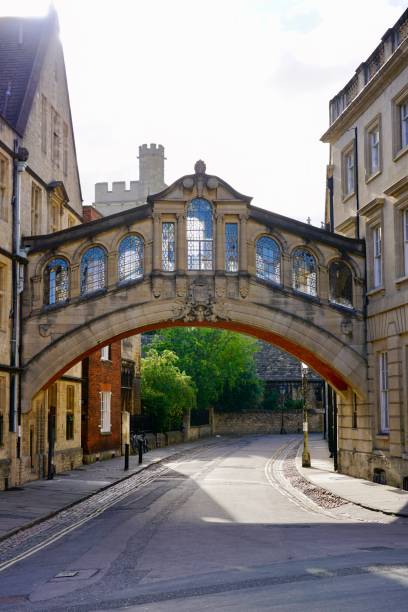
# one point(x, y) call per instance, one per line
point(215, 530)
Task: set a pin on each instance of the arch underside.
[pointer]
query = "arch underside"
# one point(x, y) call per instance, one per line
point(339, 364)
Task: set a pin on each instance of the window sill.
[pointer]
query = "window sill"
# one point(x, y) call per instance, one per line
point(400, 154)
point(93, 294)
point(105, 433)
point(342, 307)
point(383, 435)
point(402, 280)
point(56, 306)
point(312, 298)
point(348, 196)
point(373, 176)
point(376, 291)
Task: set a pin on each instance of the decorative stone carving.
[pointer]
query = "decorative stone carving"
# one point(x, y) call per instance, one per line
point(243, 286)
point(200, 167)
point(181, 286)
point(220, 287)
point(44, 329)
point(200, 305)
point(346, 327)
point(157, 286)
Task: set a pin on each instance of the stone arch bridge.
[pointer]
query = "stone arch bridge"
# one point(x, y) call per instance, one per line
point(198, 253)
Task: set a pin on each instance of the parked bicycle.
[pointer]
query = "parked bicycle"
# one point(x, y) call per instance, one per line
point(136, 438)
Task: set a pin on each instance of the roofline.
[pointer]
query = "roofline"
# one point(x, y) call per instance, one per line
point(273, 220)
point(161, 195)
point(378, 83)
point(86, 230)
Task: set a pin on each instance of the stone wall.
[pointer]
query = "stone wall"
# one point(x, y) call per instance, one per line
point(264, 422)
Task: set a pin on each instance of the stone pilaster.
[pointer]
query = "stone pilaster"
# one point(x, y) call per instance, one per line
point(156, 242)
point(181, 243)
point(219, 244)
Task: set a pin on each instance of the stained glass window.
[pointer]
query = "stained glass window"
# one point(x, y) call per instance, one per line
point(268, 259)
point(304, 272)
point(93, 273)
point(168, 247)
point(130, 259)
point(341, 284)
point(231, 247)
point(56, 281)
point(199, 235)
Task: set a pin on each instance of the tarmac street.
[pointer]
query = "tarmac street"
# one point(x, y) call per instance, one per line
point(227, 526)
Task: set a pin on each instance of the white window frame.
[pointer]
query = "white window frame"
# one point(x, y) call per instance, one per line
point(377, 257)
point(105, 353)
point(383, 389)
point(374, 150)
point(348, 170)
point(403, 117)
point(405, 238)
point(106, 400)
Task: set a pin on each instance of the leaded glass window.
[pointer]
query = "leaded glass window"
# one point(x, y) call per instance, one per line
point(341, 284)
point(93, 272)
point(130, 259)
point(199, 235)
point(56, 281)
point(304, 272)
point(168, 247)
point(268, 259)
point(231, 247)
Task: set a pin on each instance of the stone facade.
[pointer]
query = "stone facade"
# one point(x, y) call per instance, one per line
point(367, 197)
point(264, 422)
point(35, 121)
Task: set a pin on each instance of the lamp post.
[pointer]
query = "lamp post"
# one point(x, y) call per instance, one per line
point(305, 453)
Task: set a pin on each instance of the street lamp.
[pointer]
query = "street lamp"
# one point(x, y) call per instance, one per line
point(305, 453)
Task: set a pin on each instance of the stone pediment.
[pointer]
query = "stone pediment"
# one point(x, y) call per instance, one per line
point(200, 184)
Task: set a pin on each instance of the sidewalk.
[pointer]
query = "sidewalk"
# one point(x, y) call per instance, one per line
point(364, 493)
point(39, 499)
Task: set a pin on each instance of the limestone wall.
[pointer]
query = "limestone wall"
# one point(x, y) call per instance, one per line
point(264, 422)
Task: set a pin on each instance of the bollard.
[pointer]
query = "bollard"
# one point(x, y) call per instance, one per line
point(140, 448)
point(126, 457)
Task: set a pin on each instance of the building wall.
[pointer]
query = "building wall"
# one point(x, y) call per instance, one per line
point(101, 376)
point(364, 444)
point(264, 422)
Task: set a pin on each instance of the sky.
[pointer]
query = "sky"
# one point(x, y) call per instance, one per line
point(242, 84)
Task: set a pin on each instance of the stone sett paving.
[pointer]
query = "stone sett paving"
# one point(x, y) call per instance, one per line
point(321, 497)
point(26, 539)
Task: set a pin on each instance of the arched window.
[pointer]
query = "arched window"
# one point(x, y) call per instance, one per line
point(56, 281)
point(199, 235)
point(268, 259)
point(304, 272)
point(93, 273)
point(130, 259)
point(341, 284)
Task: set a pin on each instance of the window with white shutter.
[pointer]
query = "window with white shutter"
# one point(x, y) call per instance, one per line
point(105, 411)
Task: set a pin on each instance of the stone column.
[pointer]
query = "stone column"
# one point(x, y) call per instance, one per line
point(181, 243)
point(243, 246)
point(156, 242)
point(219, 243)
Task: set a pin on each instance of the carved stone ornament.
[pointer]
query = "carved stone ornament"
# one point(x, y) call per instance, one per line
point(181, 287)
point(44, 329)
point(157, 287)
point(200, 305)
point(243, 287)
point(200, 167)
point(346, 327)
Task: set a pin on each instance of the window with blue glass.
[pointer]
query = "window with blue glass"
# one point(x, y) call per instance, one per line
point(93, 270)
point(304, 272)
point(268, 259)
point(168, 247)
point(231, 247)
point(130, 259)
point(200, 235)
point(56, 281)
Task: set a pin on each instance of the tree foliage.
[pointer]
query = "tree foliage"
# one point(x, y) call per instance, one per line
point(166, 391)
point(219, 362)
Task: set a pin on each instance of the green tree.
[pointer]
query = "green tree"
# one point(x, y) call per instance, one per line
point(218, 361)
point(166, 391)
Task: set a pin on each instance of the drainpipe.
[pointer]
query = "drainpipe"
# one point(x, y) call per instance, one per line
point(330, 187)
point(20, 164)
point(357, 184)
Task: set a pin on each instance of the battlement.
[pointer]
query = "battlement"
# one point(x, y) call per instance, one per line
point(151, 149)
point(118, 191)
